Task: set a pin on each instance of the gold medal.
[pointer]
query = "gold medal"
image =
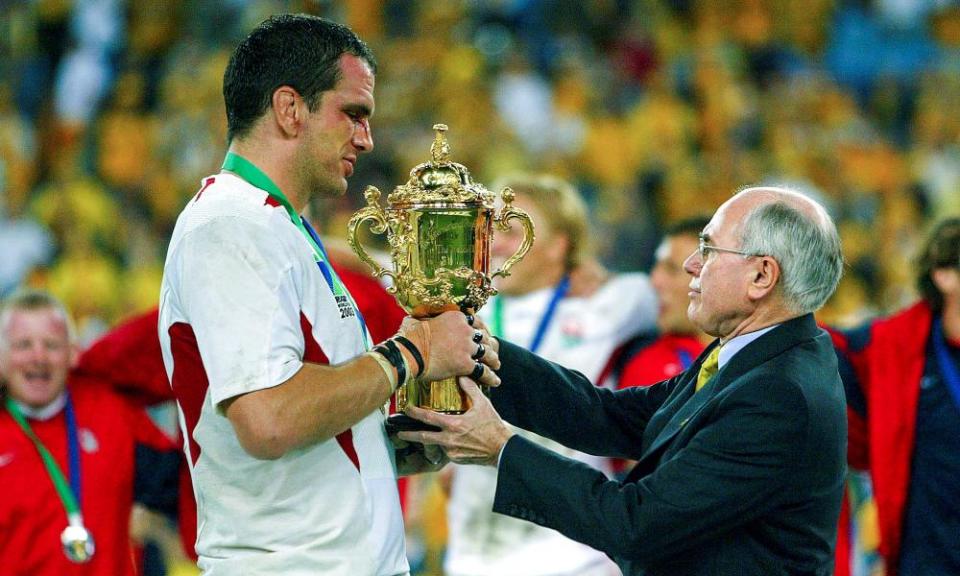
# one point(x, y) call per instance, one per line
point(77, 543)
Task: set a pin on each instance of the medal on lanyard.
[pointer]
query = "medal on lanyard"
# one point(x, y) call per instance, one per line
point(255, 177)
point(77, 542)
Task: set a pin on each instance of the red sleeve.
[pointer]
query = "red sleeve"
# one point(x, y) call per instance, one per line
point(858, 453)
point(128, 358)
point(841, 566)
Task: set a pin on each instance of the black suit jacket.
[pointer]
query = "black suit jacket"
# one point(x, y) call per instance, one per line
point(744, 477)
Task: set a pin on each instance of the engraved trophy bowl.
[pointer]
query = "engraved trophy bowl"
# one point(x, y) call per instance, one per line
point(439, 228)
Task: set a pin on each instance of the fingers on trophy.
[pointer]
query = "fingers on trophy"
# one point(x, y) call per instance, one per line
point(439, 227)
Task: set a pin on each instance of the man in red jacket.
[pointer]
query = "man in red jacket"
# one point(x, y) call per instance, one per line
point(902, 376)
point(71, 451)
point(667, 351)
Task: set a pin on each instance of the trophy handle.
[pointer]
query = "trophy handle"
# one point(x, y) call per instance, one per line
point(507, 213)
point(373, 212)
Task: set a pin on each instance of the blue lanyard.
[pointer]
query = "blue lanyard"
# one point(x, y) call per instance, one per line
point(73, 447)
point(69, 495)
point(558, 294)
point(685, 358)
point(328, 273)
point(948, 368)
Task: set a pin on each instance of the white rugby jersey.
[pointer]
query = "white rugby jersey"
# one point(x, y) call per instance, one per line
point(581, 335)
point(242, 305)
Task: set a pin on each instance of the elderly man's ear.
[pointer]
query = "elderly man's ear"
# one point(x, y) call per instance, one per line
point(766, 275)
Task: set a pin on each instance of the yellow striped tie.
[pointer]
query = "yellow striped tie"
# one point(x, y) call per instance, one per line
point(708, 368)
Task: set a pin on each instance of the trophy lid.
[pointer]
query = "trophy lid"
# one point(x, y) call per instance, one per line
point(440, 180)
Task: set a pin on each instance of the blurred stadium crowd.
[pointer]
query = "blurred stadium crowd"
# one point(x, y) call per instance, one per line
point(111, 112)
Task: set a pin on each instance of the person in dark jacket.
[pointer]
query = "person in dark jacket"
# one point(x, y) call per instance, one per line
point(741, 458)
point(902, 376)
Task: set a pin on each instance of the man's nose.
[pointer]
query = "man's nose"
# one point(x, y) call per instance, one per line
point(37, 352)
point(693, 264)
point(363, 136)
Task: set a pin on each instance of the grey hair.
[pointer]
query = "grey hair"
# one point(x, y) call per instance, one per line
point(806, 248)
point(30, 300)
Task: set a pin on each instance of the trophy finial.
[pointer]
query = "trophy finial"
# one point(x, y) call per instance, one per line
point(440, 150)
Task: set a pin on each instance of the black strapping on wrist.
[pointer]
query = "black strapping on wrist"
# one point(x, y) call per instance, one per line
point(388, 349)
point(411, 347)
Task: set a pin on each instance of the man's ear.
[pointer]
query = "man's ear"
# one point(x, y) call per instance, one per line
point(288, 111)
point(766, 275)
point(946, 279)
point(559, 246)
point(74, 355)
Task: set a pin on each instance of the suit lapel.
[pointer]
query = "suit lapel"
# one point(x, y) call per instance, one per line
point(666, 422)
point(684, 405)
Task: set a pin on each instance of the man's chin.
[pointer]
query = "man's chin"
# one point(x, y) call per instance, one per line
point(38, 399)
point(337, 191)
point(330, 189)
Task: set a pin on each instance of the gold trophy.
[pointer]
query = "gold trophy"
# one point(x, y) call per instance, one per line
point(439, 226)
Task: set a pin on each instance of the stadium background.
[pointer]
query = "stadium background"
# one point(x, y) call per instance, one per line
point(111, 112)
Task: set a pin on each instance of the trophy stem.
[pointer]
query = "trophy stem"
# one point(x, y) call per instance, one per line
point(446, 396)
point(441, 395)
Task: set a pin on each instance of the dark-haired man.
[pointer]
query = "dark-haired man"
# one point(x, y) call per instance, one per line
point(280, 395)
point(667, 351)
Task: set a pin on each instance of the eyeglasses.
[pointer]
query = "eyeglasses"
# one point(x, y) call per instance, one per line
point(704, 249)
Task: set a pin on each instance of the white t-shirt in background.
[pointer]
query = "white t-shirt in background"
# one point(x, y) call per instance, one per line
point(582, 335)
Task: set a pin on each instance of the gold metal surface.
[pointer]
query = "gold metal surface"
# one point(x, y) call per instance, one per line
point(439, 227)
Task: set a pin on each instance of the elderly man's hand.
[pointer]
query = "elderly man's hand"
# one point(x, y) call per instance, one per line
point(474, 437)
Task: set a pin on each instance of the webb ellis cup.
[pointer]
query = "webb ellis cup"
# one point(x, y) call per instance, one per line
point(439, 227)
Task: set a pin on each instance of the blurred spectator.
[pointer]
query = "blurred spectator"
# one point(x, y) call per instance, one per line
point(73, 451)
point(125, 139)
point(663, 353)
point(85, 220)
point(902, 375)
point(96, 32)
point(555, 304)
point(26, 245)
point(18, 153)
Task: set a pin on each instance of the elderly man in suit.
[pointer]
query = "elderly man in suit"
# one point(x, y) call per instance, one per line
point(741, 458)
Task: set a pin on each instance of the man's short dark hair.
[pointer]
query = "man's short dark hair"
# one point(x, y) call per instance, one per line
point(691, 226)
point(941, 250)
point(296, 50)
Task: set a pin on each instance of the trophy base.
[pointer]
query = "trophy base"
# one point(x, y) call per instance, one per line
point(403, 423)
